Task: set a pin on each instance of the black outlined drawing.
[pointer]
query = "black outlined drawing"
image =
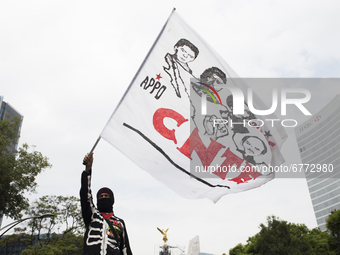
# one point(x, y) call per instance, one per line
point(185, 52)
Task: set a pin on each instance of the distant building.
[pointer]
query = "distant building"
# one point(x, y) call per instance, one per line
point(194, 247)
point(15, 247)
point(22, 242)
point(318, 139)
point(7, 110)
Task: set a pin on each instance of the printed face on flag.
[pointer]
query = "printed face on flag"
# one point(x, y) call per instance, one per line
point(184, 54)
point(176, 121)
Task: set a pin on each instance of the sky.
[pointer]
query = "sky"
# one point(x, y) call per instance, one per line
point(64, 65)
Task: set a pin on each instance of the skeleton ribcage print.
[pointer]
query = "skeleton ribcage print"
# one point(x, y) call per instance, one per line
point(99, 234)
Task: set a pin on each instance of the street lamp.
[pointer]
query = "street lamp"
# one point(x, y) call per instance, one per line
point(13, 224)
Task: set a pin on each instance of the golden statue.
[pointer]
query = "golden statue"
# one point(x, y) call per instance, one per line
point(165, 238)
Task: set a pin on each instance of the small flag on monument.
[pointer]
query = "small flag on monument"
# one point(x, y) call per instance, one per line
point(183, 120)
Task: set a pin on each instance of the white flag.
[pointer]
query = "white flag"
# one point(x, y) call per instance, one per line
point(177, 122)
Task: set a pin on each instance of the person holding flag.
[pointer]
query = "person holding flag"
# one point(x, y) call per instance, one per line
point(105, 233)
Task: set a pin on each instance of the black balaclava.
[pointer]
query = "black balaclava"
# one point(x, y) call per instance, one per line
point(105, 204)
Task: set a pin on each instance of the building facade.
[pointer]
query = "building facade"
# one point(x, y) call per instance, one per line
point(318, 140)
point(6, 110)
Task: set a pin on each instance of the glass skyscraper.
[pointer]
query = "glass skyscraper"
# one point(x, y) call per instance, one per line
point(7, 110)
point(318, 140)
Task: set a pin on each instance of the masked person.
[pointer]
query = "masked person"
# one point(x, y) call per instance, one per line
point(105, 233)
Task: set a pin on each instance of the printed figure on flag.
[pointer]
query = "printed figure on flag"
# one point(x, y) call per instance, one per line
point(177, 120)
point(185, 52)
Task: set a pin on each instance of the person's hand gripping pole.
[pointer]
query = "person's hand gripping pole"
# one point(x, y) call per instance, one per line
point(87, 161)
point(91, 152)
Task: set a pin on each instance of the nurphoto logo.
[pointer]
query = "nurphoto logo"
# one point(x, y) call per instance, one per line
point(239, 107)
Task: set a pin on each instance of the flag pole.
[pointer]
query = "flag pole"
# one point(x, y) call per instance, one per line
point(94, 146)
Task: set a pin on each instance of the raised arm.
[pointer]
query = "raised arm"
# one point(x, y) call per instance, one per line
point(85, 190)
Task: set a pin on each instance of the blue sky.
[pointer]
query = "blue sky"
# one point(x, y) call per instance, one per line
point(65, 65)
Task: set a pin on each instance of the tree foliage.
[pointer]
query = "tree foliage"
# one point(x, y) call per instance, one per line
point(66, 211)
point(61, 234)
point(237, 250)
point(319, 241)
point(333, 226)
point(65, 244)
point(18, 169)
point(281, 237)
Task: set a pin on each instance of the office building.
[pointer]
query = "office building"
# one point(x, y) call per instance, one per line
point(318, 139)
point(6, 110)
point(194, 247)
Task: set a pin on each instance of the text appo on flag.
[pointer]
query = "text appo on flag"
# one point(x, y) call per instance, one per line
point(173, 120)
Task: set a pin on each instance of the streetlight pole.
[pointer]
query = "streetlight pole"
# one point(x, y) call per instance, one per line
point(13, 224)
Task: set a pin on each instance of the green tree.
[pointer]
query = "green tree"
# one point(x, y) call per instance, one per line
point(67, 221)
point(66, 243)
point(281, 237)
point(67, 215)
point(14, 243)
point(237, 250)
point(319, 241)
point(18, 169)
point(62, 234)
point(333, 226)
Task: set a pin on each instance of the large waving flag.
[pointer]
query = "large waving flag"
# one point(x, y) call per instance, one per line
point(177, 122)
